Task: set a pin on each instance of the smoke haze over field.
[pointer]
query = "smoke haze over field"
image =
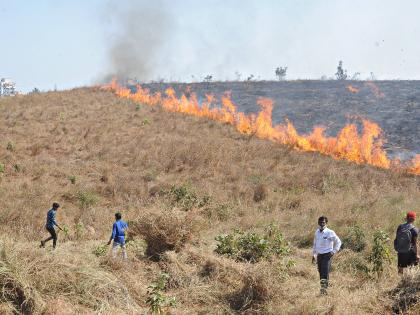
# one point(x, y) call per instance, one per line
point(186, 40)
point(72, 43)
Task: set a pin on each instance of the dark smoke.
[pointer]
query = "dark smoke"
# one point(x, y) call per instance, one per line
point(141, 29)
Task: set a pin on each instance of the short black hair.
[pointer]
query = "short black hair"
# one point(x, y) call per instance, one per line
point(118, 216)
point(55, 205)
point(323, 218)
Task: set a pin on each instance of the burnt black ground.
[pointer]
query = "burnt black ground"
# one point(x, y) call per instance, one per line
point(308, 103)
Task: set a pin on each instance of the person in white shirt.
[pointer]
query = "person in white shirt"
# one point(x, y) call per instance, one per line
point(326, 244)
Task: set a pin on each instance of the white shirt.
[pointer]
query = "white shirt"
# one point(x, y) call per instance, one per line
point(326, 241)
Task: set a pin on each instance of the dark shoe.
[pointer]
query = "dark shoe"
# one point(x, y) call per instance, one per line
point(42, 244)
point(324, 286)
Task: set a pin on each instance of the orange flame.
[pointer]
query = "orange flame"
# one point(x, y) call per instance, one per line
point(348, 144)
point(375, 89)
point(352, 89)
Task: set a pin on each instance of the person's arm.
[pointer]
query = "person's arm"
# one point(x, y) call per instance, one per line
point(114, 232)
point(337, 244)
point(314, 249)
point(415, 246)
point(55, 222)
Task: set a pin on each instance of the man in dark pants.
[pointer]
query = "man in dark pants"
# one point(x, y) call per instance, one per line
point(326, 244)
point(406, 243)
point(50, 225)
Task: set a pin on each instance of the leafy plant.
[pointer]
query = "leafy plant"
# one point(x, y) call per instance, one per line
point(66, 231)
point(145, 122)
point(158, 302)
point(72, 179)
point(86, 199)
point(186, 198)
point(79, 230)
point(380, 252)
point(2, 168)
point(354, 239)
point(100, 250)
point(341, 73)
point(251, 246)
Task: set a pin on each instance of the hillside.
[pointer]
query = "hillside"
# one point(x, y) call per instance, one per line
point(183, 180)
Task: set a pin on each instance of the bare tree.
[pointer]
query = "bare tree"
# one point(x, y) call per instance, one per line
point(281, 73)
point(208, 78)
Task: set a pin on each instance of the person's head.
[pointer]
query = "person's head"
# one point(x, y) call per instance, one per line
point(118, 216)
point(411, 216)
point(55, 206)
point(322, 222)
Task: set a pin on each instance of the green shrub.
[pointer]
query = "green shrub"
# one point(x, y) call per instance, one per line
point(251, 246)
point(72, 179)
point(79, 229)
point(157, 301)
point(100, 250)
point(186, 198)
point(219, 211)
point(380, 254)
point(10, 146)
point(354, 239)
point(87, 199)
point(136, 246)
point(2, 168)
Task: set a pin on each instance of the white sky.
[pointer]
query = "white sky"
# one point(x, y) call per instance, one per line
point(49, 43)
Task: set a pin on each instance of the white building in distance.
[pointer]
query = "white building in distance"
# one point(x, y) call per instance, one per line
point(7, 87)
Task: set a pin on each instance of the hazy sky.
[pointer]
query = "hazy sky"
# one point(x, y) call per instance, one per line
point(48, 43)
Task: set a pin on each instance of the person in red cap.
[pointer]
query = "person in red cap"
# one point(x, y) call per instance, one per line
point(405, 243)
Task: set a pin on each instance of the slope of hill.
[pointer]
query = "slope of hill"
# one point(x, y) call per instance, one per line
point(180, 181)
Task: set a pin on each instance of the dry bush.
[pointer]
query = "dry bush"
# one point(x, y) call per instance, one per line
point(254, 292)
point(260, 193)
point(165, 231)
point(29, 277)
point(407, 294)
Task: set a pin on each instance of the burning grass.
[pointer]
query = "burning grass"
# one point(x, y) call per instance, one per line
point(180, 181)
point(366, 148)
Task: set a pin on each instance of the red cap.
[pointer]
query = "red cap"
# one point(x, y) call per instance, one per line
point(411, 215)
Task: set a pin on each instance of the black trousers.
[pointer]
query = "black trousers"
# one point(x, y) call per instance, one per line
point(324, 265)
point(53, 236)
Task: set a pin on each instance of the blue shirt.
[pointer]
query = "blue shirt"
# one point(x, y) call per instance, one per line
point(51, 219)
point(118, 232)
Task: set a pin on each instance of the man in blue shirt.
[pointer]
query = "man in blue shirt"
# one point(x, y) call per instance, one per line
point(118, 235)
point(50, 225)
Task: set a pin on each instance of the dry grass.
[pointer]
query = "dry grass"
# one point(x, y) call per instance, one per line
point(96, 154)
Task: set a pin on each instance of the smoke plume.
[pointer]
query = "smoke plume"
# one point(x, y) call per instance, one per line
point(140, 29)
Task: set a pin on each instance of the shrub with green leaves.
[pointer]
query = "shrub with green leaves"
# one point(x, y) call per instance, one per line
point(72, 179)
point(186, 198)
point(380, 254)
point(100, 250)
point(87, 199)
point(158, 302)
point(251, 246)
point(2, 168)
point(354, 239)
point(79, 230)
